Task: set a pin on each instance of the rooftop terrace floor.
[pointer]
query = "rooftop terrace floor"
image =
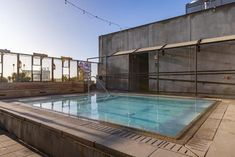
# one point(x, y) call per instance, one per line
point(10, 147)
point(214, 138)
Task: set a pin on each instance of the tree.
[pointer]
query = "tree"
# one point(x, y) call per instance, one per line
point(20, 78)
point(3, 79)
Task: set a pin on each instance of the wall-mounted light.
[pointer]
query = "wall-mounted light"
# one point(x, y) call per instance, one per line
point(214, 9)
point(156, 57)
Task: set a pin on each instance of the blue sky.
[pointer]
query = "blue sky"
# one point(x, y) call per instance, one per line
point(50, 26)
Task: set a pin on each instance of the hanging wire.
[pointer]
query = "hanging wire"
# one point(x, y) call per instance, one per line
point(110, 23)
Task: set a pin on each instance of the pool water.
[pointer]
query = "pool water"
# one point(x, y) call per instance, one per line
point(161, 115)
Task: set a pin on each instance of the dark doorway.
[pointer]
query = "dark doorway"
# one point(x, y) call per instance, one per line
point(138, 72)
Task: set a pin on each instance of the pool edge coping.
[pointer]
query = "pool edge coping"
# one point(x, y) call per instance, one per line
point(155, 137)
point(193, 126)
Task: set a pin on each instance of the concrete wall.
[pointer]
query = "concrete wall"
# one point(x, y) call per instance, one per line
point(217, 58)
point(175, 67)
point(47, 139)
point(205, 24)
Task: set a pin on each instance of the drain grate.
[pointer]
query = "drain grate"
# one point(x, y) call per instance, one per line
point(103, 128)
point(198, 145)
point(123, 133)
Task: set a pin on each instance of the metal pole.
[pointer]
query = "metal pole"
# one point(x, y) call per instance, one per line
point(106, 70)
point(196, 65)
point(32, 67)
point(196, 51)
point(69, 68)
point(52, 69)
point(129, 73)
point(2, 66)
point(41, 69)
point(158, 64)
point(18, 67)
point(77, 71)
point(62, 70)
point(52, 105)
point(88, 82)
point(158, 67)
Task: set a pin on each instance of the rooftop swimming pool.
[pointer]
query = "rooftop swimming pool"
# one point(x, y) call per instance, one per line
point(166, 116)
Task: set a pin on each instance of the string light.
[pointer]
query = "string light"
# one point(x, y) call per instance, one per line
point(110, 23)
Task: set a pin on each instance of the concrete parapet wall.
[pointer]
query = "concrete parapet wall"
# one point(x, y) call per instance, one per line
point(26, 89)
point(50, 141)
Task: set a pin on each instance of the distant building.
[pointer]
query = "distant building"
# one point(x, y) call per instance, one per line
point(46, 73)
point(198, 5)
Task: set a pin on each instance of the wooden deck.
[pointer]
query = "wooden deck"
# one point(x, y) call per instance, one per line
point(10, 147)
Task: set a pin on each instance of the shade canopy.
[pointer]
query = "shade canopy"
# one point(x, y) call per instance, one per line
point(177, 45)
point(123, 52)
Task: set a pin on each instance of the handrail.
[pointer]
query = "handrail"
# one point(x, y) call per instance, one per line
point(98, 80)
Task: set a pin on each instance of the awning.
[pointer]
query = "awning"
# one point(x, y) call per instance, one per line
point(183, 44)
point(123, 52)
point(148, 49)
point(177, 45)
point(218, 39)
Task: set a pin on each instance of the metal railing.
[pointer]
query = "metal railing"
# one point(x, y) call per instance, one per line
point(18, 67)
point(100, 83)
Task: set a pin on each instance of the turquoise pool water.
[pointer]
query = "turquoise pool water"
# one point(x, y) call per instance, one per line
point(162, 115)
